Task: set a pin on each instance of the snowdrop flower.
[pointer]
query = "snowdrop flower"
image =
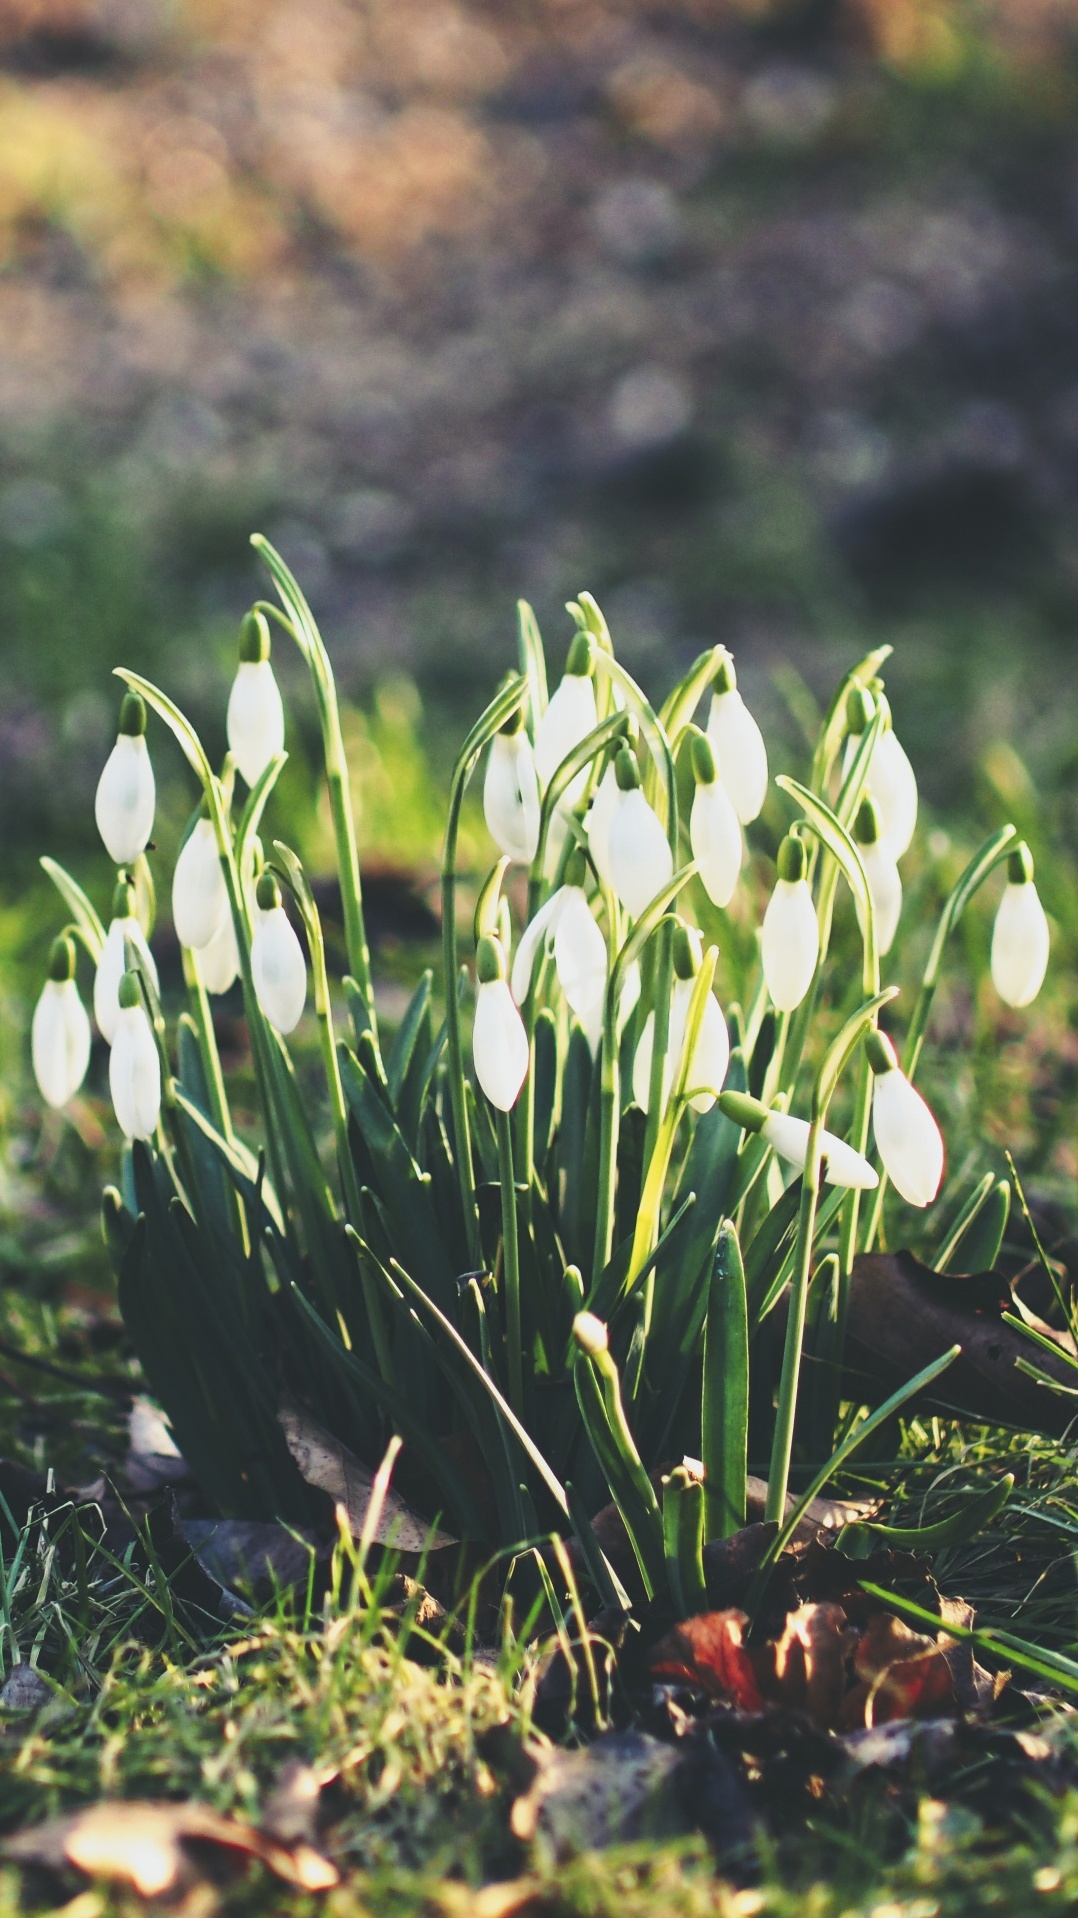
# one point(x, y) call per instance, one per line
point(891, 782)
point(791, 933)
point(60, 1032)
point(199, 894)
point(714, 827)
point(219, 962)
point(600, 815)
point(640, 859)
point(1020, 936)
point(134, 1065)
point(126, 795)
point(113, 961)
point(565, 923)
point(255, 722)
point(907, 1137)
point(739, 745)
point(511, 792)
point(499, 1041)
point(881, 872)
point(277, 962)
point(789, 1137)
point(569, 718)
point(711, 1057)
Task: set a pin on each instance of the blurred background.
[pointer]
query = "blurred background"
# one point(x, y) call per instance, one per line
point(757, 318)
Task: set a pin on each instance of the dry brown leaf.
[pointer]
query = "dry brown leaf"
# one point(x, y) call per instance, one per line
point(329, 1466)
point(617, 1790)
point(808, 1664)
point(148, 1846)
point(709, 1652)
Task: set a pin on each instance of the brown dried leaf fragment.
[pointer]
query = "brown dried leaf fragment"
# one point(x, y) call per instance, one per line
point(154, 1847)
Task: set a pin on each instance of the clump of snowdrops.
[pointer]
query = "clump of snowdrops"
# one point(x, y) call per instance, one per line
point(564, 1203)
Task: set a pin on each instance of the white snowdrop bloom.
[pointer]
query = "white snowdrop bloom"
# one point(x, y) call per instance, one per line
point(1021, 940)
point(600, 815)
point(124, 804)
point(908, 1139)
point(570, 716)
point(739, 745)
point(499, 1041)
point(641, 862)
point(219, 962)
point(790, 939)
point(134, 1066)
point(199, 894)
point(710, 1060)
point(255, 721)
point(881, 871)
point(891, 780)
point(565, 924)
point(789, 1137)
point(113, 961)
point(511, 793)
point(60, 1031)
point(714, 827)
point(278, 966)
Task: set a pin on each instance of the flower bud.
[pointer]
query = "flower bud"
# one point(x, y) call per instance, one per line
point(597, 824)
point(789, 1137)
point(60, 1032)
point(113, 961)
point(882, 874)
point(125, 799)
point(638, 850)
point(255, 721)
point(199, 894)
point(714, 827)
point(739, 745)
point(134, 1065)
point(591, 1335)
point(790, 939)
point(908, 1139)
point(278, 966)
point(219, 962)
point(511, 792)
point(500, 1050)
point(1021, 940)
point(570, 716)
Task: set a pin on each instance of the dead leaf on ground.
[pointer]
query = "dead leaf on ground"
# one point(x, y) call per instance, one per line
point(153, 1457)
point(329, 1466)
point(614, 1792)
point(154, 1848)
point(709, 1651)
point(902, 1315)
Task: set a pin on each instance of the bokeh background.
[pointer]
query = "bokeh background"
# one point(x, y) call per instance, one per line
point(758, 318)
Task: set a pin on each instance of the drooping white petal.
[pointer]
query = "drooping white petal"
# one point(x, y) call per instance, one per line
point(570, 716)
point(60, 1041)
point(531, 939)
point(279, 969)
point(1021, 944)
point(199, 894)
point(255, 721)
point(844, 1166)
point(639, 852)
point(124, 804)
point(629, 997)
point(111, 968)
point(499, 1044)
point(741, 753)
point(711, 1057)
point(219, 962)
point(135, 1074)
point(715, 836)
point(790, 943)
point(579, 951)
point(908, 1139)
point(511, 796)
point(600, 817)
point(885, 885)
point(892, 783)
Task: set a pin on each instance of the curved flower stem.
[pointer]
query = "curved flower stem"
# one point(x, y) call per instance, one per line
point(301, 623)
point(501, 707)
point(510, 1264)
point(650, 1207)
point(202, 1019)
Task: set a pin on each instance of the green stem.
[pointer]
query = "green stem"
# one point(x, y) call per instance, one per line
point(778, 1477)
point(510, 1264)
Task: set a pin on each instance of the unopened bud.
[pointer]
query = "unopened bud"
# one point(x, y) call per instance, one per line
point(591, 1335)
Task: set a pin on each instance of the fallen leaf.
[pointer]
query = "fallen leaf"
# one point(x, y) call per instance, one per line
point(329, 1466)
point(153, 1458)
point(24, 1690)
point(709, 1652)
point(616, 1791)
point(153, 1847)
point(808, 1665)
point(902, 1315)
